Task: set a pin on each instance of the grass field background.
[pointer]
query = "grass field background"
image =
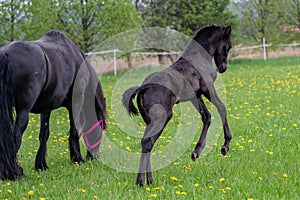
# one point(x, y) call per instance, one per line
point(262, 99)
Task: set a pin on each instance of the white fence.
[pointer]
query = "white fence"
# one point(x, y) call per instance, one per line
point(263, 47)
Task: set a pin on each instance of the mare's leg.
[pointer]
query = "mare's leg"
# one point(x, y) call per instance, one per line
point(74, 141)
point(206, 119)
point(20, 126)
point(40, 159)
point(214, 98)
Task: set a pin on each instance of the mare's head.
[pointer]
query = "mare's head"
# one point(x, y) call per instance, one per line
point(216, 40)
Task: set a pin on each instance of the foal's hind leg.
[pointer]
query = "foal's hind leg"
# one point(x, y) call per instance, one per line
point(75, 154)
point(206, 119)
point(40, 159)
point(159, 118)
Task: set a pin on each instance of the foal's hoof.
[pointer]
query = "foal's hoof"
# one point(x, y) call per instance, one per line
point(224, 150)
point(194, 155)
point(139, 183)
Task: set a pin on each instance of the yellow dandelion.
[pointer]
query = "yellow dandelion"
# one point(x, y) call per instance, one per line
point(173, 178)
point(30, 192)
point(95, 197)
point(250, 199)
point(183, 193)
point(274, 173)
point(210, 187)
point(42, 198)
point(196, 185)
point(260, 178)
point(250, 141)
point(222, 179)
point(228, 188)
point(153, 196)
point(156, 188)
point(177, 192)
point(223, 191)
point(284, 175)
point(1, 191)
point(148, 189)
point(9, 191)
point(270, 153)
point(252, 150)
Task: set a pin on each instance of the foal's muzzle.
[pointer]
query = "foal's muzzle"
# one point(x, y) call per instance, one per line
point(221, 69)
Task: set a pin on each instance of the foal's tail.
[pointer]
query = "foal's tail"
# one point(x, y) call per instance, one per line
point(7, 145)
point(127, 98)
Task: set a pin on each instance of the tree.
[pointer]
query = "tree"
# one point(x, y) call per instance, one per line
point(261, 19)
point(90, 22)
point(11, 19)
point(186, 16)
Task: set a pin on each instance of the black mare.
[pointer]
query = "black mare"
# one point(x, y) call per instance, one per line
point(38, 77)
point(190, 77)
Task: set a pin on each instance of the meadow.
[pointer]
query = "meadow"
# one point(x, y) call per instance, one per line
point(262, 98)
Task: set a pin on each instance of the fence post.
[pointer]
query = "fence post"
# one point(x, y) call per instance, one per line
point(264, 48)
point(115, 62)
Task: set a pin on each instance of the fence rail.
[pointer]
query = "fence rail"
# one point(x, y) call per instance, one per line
point(263, 46)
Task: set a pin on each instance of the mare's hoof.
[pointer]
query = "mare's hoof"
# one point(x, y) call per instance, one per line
point(224, 150)
point(12, 176)
point(77, 160)
point(41, 166)
point(194, 156)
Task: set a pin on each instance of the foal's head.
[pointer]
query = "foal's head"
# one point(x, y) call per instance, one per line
point(216, 40)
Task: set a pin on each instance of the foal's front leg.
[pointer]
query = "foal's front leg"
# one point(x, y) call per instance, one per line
point(40, 159)
point(214, 98)
point(206, 119)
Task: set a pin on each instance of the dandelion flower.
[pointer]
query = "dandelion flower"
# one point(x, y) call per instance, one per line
point(153, 196)
point(173, 178)
point(9, 191)
point(284, 175)
point(222, 179)
point(196, 185)
point(223, 191)
point(228, 188)
point(30, 192)
point(183, 193)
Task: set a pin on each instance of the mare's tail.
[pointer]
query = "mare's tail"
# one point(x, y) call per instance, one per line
point(127, 98)
point(7, 144)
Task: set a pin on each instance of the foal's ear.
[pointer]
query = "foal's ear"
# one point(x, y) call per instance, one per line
point(227, 31)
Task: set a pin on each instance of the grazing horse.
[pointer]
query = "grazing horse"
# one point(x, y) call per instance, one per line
point(190, 77)
point(38, 77)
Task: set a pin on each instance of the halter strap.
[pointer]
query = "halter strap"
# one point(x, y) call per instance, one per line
point(84, 134)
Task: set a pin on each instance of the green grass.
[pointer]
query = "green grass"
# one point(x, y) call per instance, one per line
point(262, 98)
